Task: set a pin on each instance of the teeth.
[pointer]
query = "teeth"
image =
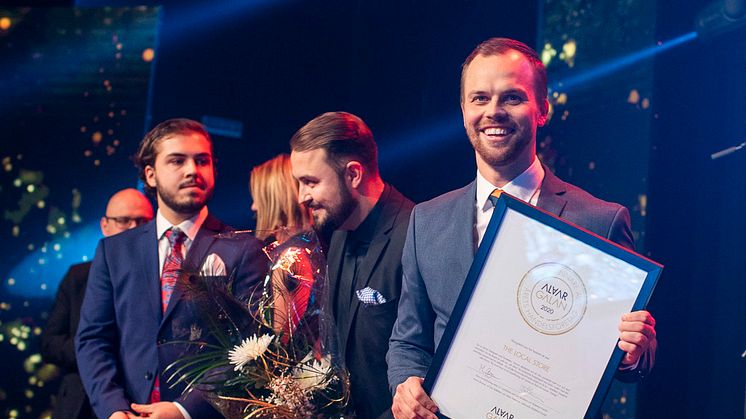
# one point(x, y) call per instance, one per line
point(495, 131)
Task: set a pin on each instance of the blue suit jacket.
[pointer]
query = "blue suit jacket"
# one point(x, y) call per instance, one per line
point(122, 341)
point(439, 250)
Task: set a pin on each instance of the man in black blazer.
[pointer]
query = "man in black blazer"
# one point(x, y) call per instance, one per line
point(126, 209)
point(364, 221)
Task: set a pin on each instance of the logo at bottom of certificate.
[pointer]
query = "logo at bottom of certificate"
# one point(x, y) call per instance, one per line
point(552, 298)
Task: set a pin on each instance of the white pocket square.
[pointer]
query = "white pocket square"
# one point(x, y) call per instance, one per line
point(370, 297)
point(213, 266)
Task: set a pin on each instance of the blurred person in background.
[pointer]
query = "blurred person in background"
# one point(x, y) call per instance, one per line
point(126, 209)
point(274, 191)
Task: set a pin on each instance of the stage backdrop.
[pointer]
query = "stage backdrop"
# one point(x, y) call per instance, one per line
point(81, 85)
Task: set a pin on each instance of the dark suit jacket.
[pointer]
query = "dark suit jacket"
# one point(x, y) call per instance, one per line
point(123, 339)
point(58, 343)
point(439, 251)
point(364, 339)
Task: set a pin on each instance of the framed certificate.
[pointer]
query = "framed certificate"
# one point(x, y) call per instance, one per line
point(534, 331)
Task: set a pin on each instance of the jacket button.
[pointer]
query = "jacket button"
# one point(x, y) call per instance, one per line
point(161, 341)
point(148, 375)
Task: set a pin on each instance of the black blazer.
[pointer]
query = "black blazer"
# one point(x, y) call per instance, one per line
point(364, 340)
point(58, 343)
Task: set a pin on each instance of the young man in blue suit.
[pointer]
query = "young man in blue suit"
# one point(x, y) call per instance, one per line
point(131, 313)
point(503, 102)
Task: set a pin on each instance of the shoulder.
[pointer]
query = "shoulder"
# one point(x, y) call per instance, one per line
point(79, 269)
point(397, 206)
point(584, 201)
point(448, 201)
point(128, 237)
point(577, 198)
point(227, 234)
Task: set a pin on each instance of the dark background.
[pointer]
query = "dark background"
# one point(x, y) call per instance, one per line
point(273, 65)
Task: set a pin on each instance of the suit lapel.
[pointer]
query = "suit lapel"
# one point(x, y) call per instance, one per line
point(377, 247)
point(465, 228)
point(551, 197)
point(204, 239)
point(148, 257)
point(334, 263)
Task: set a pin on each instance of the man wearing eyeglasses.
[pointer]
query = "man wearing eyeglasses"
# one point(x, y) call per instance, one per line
point(126, 209)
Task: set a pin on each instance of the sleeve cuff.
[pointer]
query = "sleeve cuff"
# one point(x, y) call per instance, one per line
point(182, 410)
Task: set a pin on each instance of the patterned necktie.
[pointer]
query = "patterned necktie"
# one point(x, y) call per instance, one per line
point(172, 264)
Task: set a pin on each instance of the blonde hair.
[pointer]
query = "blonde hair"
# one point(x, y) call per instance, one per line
point(275, 193)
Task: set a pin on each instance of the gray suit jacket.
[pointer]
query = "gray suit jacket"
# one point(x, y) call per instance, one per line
point(438, 253)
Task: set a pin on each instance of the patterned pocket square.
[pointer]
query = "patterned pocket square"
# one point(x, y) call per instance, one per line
point(370, 297)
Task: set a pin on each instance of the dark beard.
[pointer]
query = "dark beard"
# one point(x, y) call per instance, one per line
point(188, 207)
point(335, 216)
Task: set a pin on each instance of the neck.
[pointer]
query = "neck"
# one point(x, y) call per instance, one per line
point(368, 195)
point(500, 176)
point(174, 217)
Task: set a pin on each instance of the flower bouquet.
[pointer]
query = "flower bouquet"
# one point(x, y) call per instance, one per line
point(271, 356)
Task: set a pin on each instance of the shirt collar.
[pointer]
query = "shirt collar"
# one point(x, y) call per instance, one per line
point(523, 187)
point(190, 227)
point(367, 229)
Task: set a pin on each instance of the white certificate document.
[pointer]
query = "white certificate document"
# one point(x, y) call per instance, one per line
point(537, 333)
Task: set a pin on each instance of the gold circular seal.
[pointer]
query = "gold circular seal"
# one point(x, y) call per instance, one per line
point(552, 298)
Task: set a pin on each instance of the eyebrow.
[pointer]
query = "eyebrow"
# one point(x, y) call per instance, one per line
point(202, 154)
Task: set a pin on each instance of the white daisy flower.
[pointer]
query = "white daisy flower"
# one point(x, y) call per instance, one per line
point(249, 350)
point(312, 374)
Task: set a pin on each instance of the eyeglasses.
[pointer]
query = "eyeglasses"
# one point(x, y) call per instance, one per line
point(127, 221)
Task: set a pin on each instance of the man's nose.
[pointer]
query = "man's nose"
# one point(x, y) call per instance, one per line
point(303, 195)
point(496, 111)
point(190, 166)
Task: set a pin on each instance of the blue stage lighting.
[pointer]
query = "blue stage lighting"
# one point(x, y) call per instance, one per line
point(604, 69)
point(425, 138)
point(38, 275)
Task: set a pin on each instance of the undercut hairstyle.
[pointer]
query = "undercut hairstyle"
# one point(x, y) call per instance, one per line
point(499, 46)
point(275, 194)
point(344, 137)
point(148, 150)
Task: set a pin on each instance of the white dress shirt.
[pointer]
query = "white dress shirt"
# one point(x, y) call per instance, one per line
point(525, 187)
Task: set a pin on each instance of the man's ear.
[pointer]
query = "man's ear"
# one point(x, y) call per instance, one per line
point(354, 173)
point(544, 112)
point(149, 176)
point(103, 223)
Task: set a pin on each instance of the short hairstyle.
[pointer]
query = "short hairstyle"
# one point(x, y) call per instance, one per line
point(148, 150)
point(275, 193)
point(344, 137)
point(498, 46)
